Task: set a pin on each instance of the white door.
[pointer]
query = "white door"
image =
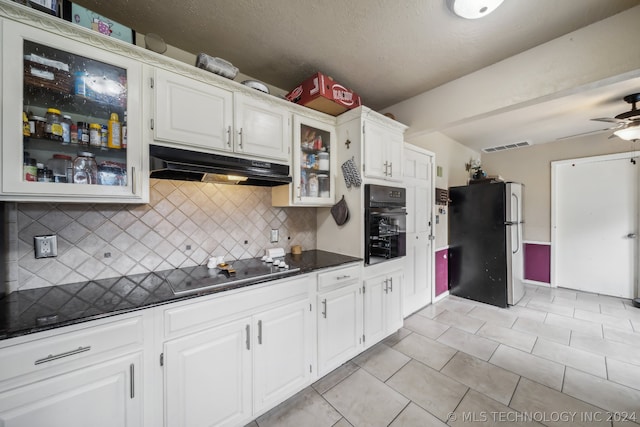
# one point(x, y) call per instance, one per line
point(339, 326)
point(262, 129)
point(282, 353)
point(103, 395)
point(418, 283)
point(191, 112)
point(208, 377)
point(595, 222)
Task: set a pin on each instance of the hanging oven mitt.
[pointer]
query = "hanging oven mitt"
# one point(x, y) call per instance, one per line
point(351, 174)
point(340, 212)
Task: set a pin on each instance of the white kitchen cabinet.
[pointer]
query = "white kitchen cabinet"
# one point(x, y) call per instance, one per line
point(223, 368)
point(281, 353)
point(194, 114)
point(382, 151)
point(262, 129)
point(208, 377)
point(417, 287)
point(101, 395)
point(74, 377)
point(191, 113)
point(382, 306)
point(44, 70)
point(314, 165)
point(340, 316)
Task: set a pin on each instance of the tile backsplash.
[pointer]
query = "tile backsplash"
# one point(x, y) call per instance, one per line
point(183, 225)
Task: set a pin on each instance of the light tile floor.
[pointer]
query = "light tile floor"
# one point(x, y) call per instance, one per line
point(559, 357)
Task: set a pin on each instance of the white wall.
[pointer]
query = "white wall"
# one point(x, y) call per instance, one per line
point(532, 167)
point(451, 156)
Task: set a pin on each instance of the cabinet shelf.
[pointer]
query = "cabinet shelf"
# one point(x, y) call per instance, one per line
point(46, 145)
point(70, 103)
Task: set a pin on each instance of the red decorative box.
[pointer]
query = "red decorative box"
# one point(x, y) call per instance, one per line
point(322, 93)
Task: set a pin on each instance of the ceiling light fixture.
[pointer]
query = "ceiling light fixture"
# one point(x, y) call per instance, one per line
point(473, 9)
point(629, 133)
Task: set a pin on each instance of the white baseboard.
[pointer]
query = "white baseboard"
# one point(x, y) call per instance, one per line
point(535, 282)
point(441, 296)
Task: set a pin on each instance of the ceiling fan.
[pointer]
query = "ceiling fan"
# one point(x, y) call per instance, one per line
point(627, 124)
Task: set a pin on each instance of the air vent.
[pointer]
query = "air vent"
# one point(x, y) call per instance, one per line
point(506, 147)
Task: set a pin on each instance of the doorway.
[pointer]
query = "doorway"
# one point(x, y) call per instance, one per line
point(594, 224)
point(418, 177)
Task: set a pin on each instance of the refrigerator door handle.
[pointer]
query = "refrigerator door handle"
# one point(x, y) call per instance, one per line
point(517, 222)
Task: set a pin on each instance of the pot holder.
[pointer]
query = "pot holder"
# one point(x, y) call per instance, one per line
point(340, 212)
point(351, 174)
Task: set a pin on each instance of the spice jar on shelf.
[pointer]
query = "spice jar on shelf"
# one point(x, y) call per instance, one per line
point(53, 127)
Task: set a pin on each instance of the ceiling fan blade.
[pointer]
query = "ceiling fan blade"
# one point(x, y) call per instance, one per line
point(592, 132)
point(610, 120)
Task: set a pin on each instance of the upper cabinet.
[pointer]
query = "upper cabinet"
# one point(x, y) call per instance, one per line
point(382, 151)
point(313, 166)
point(70, 120)
point(192, 113)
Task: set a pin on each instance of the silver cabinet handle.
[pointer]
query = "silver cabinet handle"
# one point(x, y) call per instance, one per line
point(324, 304)
point(51, 357)
point(229, 136)
point(132, 387)
point(259, 331)
point(133, 179)
point(299, 193)
point(386, 166)
point(386, 286)
point(240, 141)
point(248, 330)
point(391, 168)
point(391, 283)
point(631, 235)
point(344, 276)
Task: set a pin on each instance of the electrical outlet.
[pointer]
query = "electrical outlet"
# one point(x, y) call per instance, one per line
point(46, 246)
point(274, 236)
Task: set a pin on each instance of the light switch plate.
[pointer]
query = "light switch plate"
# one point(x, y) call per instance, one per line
point(45, 246)
point(274, 236)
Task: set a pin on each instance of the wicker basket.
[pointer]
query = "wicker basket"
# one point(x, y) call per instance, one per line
point(62, 81)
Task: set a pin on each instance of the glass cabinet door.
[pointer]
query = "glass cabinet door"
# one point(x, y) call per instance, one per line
point(314, 163)
point(74, 138)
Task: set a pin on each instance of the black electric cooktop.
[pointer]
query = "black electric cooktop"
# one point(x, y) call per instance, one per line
point(196, 279)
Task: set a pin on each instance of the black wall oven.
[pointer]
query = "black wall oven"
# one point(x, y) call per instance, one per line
point(385, 223)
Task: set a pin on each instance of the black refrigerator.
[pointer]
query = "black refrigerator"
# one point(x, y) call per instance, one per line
point(485, 242)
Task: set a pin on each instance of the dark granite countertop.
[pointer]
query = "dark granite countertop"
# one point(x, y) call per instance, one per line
point(35, 310)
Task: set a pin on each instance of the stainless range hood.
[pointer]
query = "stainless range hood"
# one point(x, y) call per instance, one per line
point(186, 165)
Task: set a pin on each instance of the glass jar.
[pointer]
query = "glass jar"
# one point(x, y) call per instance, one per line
point(73, 133)
point(83, 133)
point(39, 127)
point(60, 165)
point(323, 161)
point(66, 129)
point(53, 128)
point(323, 185)
point(30, 169)
point(313, 185)
point(95, 135)
point(85, 168)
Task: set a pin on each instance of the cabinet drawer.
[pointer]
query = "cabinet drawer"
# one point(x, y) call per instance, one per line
point(338, 277)
point(196, 315)
point(41, 354)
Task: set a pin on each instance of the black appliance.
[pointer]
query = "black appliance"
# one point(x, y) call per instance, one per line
point(186, 165)
point(385, 223)
point(485, 243)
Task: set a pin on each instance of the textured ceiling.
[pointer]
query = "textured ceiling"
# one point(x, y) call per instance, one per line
point(388, 51)
point(385, 50)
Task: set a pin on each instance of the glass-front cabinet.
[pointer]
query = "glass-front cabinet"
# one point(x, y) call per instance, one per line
point(313, 165)
point(71, 120)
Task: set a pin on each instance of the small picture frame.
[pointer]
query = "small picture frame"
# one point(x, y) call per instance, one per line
point(86, 18)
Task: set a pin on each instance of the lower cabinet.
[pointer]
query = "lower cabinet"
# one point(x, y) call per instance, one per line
point(208, 377)
point(102, 395)
point(382, 306)
point(339, 326)
point(227, 374)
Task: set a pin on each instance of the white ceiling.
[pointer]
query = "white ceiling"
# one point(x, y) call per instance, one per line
point(385, 50)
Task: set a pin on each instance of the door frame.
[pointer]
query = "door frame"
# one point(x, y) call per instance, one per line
point(432, 194)
point(554, 203)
